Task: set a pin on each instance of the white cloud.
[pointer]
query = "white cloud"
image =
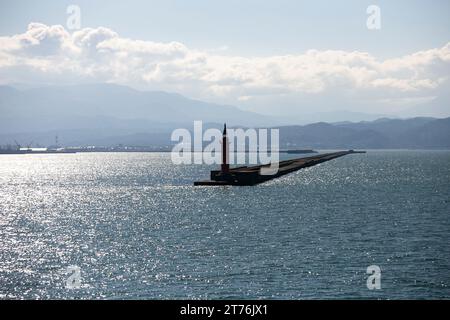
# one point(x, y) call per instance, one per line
point(52, 54)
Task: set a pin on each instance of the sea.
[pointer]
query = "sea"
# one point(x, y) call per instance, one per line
point(133, 226)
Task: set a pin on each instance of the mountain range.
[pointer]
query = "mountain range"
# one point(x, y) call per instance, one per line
point(107, 114)
point(414, 133)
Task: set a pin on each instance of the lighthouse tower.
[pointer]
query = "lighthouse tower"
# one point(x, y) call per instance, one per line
point(225, 167)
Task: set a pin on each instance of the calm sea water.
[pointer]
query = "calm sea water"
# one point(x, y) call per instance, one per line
point(136, 228)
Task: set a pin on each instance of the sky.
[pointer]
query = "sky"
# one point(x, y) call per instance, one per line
point(273, 57)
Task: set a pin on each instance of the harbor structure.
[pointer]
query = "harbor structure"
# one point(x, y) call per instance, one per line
point(251, 175)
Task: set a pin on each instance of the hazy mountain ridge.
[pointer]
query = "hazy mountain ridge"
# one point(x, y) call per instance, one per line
point(83, 106)
point(104, 114)
point(434, 134)
point(415, 133)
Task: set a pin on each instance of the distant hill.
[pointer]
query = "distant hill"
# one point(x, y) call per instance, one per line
point(106, 114)
point(434, 134)
point(108, 106)
point(383, 133)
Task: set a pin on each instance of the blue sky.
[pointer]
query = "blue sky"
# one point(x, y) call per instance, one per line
point(253, 27)
point(262, 40)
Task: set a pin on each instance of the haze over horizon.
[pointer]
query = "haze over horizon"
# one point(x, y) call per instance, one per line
point(305, 61)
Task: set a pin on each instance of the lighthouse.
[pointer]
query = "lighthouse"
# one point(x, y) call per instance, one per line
point(225, 167)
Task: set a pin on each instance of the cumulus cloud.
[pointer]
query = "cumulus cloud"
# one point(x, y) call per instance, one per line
point(52, 54)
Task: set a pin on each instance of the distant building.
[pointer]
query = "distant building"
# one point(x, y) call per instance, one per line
point(33, 149)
